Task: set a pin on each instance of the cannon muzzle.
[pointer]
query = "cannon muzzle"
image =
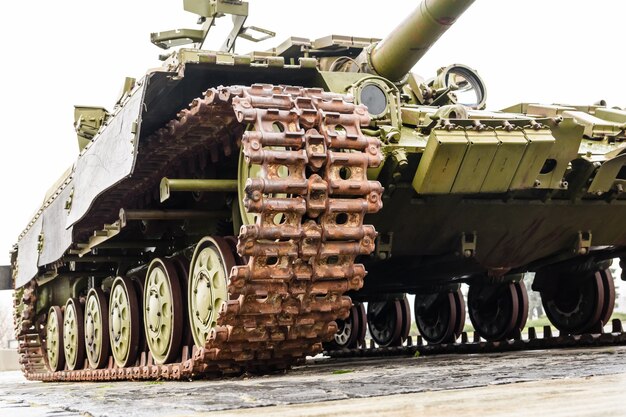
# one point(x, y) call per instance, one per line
point(395, 55)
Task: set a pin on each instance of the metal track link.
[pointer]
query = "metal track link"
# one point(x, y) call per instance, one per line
point(534, 341)
point(310, 200)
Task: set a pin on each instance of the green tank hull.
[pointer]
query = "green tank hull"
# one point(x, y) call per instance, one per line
point(222, 219)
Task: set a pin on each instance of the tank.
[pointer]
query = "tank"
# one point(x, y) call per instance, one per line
point(236, 213)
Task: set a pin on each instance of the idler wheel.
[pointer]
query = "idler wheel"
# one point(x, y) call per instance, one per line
point(385, 321)
point(493, 309)
point(437, 317)
point(74, 334)
point(124, 322)
point(97, 341)
point(208, 285)
point(163, 311)
point(54, 339)
point(577, 305)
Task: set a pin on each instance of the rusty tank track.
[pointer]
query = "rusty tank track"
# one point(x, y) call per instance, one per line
point(285, 300)
point(475, 345)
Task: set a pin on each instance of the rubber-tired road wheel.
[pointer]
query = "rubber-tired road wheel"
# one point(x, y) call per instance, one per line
point(493, 309)
point(97, 341)
point(577, 305)
point(459, 302)
point(436, 316)
point(124, 319)
point(208, 285)
point(54, 339)
point(609, 296)
point(74, 334)
point(348, 331)
point(522, 305)
point(163, 311)
point(385, 321)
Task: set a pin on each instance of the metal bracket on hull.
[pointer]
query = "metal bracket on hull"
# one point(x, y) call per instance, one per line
point(99, 236)
point(468, 244)
point(383, 245)
point(583, 243)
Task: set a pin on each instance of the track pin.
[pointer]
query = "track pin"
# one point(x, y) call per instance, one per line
point(532, 333)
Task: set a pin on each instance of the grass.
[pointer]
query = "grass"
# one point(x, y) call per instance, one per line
point(537, 323)
point(154, 382)
point(621, 316)
point(342, 371)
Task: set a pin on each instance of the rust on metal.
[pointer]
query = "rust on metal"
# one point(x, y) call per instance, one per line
point(285, 299)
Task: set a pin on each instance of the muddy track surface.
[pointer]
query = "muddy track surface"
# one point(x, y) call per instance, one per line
point(315, 383)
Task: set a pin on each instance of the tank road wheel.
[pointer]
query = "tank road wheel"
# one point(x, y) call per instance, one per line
point(97, 341)
point(163, 311)
point(384, 319)
point(363, 324)
point(406, 319)
point(522, 304)
point(208, 285)
point(493, 309)
point(577, 305)
point(182, 268)
point(124, 322)
point(436, 317)
point(74, 334)
point(54, 339)
point(609, 296)
point(348, 331)
point(459, 302)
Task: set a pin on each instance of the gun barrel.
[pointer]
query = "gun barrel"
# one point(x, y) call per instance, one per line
point(396, 54)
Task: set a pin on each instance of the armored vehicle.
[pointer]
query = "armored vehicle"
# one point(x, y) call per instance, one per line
point(233, 213)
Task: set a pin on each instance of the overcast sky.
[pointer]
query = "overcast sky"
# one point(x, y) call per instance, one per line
point(58, 54)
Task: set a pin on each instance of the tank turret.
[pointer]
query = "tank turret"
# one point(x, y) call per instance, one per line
point(396, 54)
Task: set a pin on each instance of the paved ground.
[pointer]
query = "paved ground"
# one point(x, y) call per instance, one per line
point(565, 382)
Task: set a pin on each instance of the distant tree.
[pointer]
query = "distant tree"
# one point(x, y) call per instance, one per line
point(616, 271)
point(6, 328)
point(535, 308)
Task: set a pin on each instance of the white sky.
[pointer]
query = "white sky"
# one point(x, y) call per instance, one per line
point(58, 54)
